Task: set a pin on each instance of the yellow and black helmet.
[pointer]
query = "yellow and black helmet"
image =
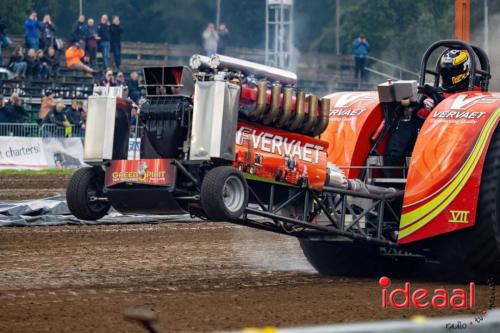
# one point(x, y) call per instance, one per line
point(454, 68)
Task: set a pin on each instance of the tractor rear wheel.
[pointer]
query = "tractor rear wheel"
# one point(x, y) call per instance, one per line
point(473, 254)
point(343, 258)
point(224, 194)
point(84, 187)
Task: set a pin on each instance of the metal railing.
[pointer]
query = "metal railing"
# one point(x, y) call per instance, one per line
point(389, 70)
point(44, 130)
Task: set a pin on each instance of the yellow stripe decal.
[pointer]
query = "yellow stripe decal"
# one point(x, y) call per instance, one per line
point(430, 210)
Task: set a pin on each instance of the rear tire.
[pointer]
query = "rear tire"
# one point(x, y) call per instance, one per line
point(473, 254)
point(343, 259)
point(84, 184)
point(224, 194)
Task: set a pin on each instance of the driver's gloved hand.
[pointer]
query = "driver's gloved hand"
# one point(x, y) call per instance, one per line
point(436, 93)
point(427, 106)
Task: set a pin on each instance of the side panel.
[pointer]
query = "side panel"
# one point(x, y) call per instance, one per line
point(354, 117)
point(273, 155)
point(445, 170)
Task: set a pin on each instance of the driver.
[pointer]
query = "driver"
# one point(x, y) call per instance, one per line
point(454, 70)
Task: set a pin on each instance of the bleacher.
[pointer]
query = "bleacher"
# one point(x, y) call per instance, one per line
point(67, 86)
point(318, 73)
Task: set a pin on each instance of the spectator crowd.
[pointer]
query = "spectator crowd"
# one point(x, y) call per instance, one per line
point(40, 56)
point(215, 40)
point(61, 119)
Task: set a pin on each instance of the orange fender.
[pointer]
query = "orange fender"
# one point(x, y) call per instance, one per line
point(354, 118)
point(442, 188)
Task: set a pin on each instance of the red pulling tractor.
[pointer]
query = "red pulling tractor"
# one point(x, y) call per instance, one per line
point(231, 140)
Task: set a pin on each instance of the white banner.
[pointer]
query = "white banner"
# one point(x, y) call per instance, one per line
point(63, 153)
point(22, 153)
point(40, 153)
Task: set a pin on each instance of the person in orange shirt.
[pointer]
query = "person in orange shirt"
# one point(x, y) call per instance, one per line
point(74, 55)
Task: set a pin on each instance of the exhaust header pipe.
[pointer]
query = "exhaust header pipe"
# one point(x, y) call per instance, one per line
point(287, 107)
point(324, 118)
point(218, 61)
point(312, 115)
point(274, 110)
point(300, 101)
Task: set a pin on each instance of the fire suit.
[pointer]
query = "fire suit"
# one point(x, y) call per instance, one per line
point(404, 134)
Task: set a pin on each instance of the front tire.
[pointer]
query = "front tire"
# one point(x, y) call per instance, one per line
point(343, 258)
point(85, 184)
point(224, 194)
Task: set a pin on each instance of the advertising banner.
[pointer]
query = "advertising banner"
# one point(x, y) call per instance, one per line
point(40, 153)
point(22, 153)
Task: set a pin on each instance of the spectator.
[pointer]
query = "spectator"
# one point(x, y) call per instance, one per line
point(79, 31)
point(48, 102)
point(75, 115)
point(17, 63)
point(33, 65)
point(57, 118)
point(3, 115)
point(31, 27)
point(86, 61)
point(210, 40)
point(14, 110)
point(134, 91)
point(360, 48)
point(120, 80)
point(108, 80)
point(49, 64)
point(74, 55)
point(116, 41)
point(91, 42)
point(223, 33)
point(104, 33)
point(47, 38)
point(4, 41)
point(133, 117)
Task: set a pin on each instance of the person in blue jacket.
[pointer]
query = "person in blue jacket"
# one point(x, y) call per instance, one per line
point(32, 29)
point(360, 49)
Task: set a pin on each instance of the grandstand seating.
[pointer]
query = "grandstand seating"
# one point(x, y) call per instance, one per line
point(318, 73)
point(68, 85)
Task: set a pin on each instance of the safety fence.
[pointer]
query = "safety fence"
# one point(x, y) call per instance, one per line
point(43, 130)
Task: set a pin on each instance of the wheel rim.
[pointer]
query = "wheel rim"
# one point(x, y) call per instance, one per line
point(93, 190)
point(233, 193)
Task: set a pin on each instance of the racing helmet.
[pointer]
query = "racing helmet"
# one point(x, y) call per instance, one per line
point(454, 68)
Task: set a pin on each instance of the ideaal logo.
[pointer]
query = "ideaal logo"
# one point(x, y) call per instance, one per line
point(440, 298)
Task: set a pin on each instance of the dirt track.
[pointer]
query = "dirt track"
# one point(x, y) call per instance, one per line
point(31, 187)
point(199, 277)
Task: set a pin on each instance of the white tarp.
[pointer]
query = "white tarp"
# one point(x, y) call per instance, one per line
point(40, 153)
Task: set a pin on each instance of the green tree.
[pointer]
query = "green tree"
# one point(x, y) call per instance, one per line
point(397, 30)
point(13, 13)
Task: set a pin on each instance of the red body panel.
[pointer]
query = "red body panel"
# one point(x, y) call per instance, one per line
point(276, 155)
point(354, 117)
point(445, 170)
point(146, 171)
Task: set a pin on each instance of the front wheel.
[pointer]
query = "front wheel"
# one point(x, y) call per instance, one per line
point(84, 188)
point(343, 258)
point(224, 194)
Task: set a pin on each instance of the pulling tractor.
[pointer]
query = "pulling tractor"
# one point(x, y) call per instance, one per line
point(230, 140)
